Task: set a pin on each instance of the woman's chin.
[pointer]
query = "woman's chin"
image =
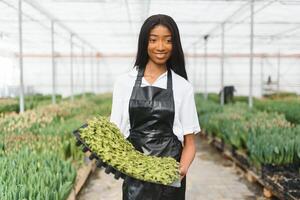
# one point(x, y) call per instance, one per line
point(160, 61)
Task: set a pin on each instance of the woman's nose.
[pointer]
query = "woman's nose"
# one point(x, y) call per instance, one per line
point(160, 45)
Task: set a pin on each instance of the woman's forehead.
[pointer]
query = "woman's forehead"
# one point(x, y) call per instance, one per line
point(160, 30)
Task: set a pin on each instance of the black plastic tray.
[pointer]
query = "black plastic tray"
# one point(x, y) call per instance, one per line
point(100, 163)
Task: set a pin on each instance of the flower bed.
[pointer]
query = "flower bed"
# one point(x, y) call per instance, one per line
point(44, 136)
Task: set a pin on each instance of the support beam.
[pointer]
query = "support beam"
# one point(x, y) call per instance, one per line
point(262, 75)
point(98, 75)
point(92, 73)
point(21, 95)
point(128, 15)
point(71, 66)
point(278, 71)
point(195, 68)
point(83, 71)
point(39, 8)
point(53, 64)
point(211, 31)
point(222, 63)
point(250, 100)
point(146, 10)
point(205, 66)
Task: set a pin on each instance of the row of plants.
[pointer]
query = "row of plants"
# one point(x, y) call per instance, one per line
point(284, 103)
point(8, 105)
point(31, 175)
point(275, 96)
point(43, 137)
point(266, 137)
point(289, 107)
point(216, 98)
point(281, 95)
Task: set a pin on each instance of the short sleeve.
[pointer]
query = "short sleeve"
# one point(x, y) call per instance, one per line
point(188, 114)
point(117, 106)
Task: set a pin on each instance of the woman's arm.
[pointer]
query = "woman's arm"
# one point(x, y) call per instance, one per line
point(188, 154)
point(117, 105)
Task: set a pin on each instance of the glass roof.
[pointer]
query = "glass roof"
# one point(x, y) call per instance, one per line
point(112, 27)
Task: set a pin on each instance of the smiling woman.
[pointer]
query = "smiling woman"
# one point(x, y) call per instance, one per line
point(154, 107)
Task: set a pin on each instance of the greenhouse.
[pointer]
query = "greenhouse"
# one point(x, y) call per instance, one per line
point(212, 110)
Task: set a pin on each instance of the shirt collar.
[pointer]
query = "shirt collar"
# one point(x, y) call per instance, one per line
point(134, 72)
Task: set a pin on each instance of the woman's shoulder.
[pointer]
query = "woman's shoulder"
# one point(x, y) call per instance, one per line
point(180, 83)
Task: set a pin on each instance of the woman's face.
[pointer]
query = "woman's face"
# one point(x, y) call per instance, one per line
point(160, 45)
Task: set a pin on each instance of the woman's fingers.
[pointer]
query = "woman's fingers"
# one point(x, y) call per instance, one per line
point(182, 172)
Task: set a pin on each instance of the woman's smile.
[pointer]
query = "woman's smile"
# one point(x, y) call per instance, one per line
point(160, 55)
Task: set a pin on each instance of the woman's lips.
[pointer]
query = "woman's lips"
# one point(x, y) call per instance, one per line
point(160, 55)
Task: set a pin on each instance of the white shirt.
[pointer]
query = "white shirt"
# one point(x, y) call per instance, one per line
point(185, 119)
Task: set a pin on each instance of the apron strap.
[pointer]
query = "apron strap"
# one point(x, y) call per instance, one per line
point(169, 81)
point(138, 80)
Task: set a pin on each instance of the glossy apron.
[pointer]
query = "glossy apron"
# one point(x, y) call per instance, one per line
point(151, 114)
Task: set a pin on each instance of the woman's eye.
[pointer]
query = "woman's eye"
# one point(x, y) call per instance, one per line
point(169, 41)
point(151, 40)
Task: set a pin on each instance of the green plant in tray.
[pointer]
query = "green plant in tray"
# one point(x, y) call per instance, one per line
point(106, 140)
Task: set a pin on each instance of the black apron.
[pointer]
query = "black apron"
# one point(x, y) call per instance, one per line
point(151, 115)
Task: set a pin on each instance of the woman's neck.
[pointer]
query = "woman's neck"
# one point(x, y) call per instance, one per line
point(152, 69)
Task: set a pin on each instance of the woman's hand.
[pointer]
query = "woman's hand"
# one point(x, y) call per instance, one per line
point(183, 171)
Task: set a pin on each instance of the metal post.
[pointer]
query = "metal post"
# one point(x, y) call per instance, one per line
point(205, 66)
point(251, 56)
point(98, 73)
point(278, 71)
point(222, 64)
point(262, 75)
point(21, 59)
point(92, 73)
point(83, 72)
point(71, 65)
point(53, 64)
point(195, 66)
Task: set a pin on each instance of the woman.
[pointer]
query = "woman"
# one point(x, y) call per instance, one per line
point(154, 106)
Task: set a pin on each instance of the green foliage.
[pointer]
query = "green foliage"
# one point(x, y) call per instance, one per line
point(214, 97)
point(281, 95)
point(267, 137)
point(297, 144)
point(30, 175)
point(8, 105)
point(35, 100)
point(289, 107)
point(45, 130)
point(31, 101)
point(105, 139)
point(243, 99)
point(273, 145)
point(205, 108)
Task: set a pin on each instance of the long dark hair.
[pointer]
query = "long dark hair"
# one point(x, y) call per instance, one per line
point(176, 61)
